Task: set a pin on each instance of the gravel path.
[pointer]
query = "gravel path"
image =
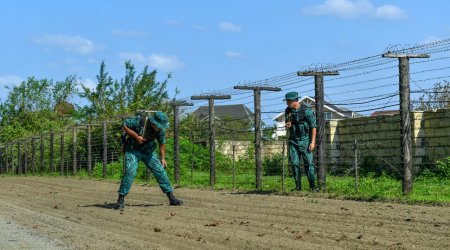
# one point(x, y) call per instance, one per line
point(14, 236)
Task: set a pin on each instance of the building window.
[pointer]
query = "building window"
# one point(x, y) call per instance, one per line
point(327, 115)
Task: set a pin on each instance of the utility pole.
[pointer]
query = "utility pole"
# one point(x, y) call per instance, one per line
point(319, 98)
point(176, 147)
point(212, 135)
point(258, 145)
point(405, 119)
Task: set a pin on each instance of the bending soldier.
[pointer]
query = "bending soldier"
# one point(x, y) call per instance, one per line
point(142, 133)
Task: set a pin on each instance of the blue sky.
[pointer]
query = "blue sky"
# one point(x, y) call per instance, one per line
point(206, 45)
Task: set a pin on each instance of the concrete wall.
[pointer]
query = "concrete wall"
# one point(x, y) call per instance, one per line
point(377, 138)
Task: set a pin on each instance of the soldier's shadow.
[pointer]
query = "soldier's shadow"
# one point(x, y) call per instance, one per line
point(112, 205)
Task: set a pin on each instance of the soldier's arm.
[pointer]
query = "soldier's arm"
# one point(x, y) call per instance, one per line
point(311, 119)
point(133, 134)
point(312, 144)
point(287, 119)
point(162, 154)
point(161, 137)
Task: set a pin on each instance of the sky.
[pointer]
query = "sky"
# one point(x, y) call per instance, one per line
point(206, 45)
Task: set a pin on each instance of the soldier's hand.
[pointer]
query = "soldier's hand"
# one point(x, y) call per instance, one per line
point(288, 124)
point(312, 146)
point(141, 139)
point(164, 163)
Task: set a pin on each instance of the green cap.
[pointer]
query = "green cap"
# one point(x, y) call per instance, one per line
point(291, 96)
point(160, 120)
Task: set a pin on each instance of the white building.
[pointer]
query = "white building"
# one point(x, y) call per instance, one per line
point(331, 112)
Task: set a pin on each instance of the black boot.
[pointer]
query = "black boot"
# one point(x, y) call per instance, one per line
point(312, 186)
point(173, 201)
point(120, 203)
point(298, 185)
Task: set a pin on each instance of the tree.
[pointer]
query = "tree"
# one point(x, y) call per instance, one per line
point(30, 107)
point(100, 98)
point(438, 98)
point(112, 97)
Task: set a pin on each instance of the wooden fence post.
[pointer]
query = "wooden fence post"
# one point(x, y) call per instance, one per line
point(33, 156)
point(19, 164)
point(89, 150)
point(61, 170)
point(41, 149)
point(356, 166)
point(105, 150)
point(52, 153)
point(74, 151)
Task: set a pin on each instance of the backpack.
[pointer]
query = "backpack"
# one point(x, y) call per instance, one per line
point(301, 119)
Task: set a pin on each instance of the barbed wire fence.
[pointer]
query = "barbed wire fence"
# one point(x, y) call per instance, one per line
point(363, 85)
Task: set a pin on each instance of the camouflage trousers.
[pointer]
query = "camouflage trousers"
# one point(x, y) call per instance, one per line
point(298, 149)
point(152, 162)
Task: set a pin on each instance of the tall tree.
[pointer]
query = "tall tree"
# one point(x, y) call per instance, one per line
point(437, 98)
point(30, 107)
point(100, 98)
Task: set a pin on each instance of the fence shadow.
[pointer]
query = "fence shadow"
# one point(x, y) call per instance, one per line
point(260, 192)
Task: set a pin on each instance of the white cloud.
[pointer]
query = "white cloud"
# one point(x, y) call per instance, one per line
point(391, 12)
point(88, 83)
point(76, 44)
point(128, 33)
point(233, 54)
point(172, 22)
point(10, 80)
point(163, 62)
point(352, 9)
point(227, 26)
point(431, 39)
point(199, 27)
point(92, 61)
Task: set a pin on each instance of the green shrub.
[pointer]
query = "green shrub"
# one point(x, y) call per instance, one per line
point(274, 165)
point(443, 168)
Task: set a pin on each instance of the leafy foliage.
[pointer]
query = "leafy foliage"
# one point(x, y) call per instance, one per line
point(30, 107)
point(441, 169)
point(438, 98)
point(274, 165)
point(113, 98)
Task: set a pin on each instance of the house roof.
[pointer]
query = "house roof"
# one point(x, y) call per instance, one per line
point(385, 112)
point(234, 111)
point(341, 111)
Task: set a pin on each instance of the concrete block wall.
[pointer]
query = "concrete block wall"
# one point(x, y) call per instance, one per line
point(377, 138)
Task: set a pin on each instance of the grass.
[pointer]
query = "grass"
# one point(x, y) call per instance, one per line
point(426, 190)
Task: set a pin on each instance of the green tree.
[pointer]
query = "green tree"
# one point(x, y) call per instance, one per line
point(437, 98)
point(113, 97)
point(30, 107)
point(101, 103)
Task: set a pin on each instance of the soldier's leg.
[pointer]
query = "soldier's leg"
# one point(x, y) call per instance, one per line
point(294, 161)
point(131, 164)
point(154, 164)
point(309, 167)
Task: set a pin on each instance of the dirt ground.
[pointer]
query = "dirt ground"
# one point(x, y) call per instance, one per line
point(79, 214)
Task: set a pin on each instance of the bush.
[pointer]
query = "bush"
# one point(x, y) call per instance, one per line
point(374, 165)
point(441, 169)
point(274, 165)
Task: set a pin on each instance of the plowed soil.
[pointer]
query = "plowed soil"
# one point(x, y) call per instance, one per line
point(78, 214)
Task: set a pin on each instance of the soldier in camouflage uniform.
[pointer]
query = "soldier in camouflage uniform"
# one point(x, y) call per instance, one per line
point(142, 132)
point(301, 122)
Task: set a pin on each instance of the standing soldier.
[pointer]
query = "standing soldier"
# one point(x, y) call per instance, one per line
point(142, 133)
point(301, 123)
